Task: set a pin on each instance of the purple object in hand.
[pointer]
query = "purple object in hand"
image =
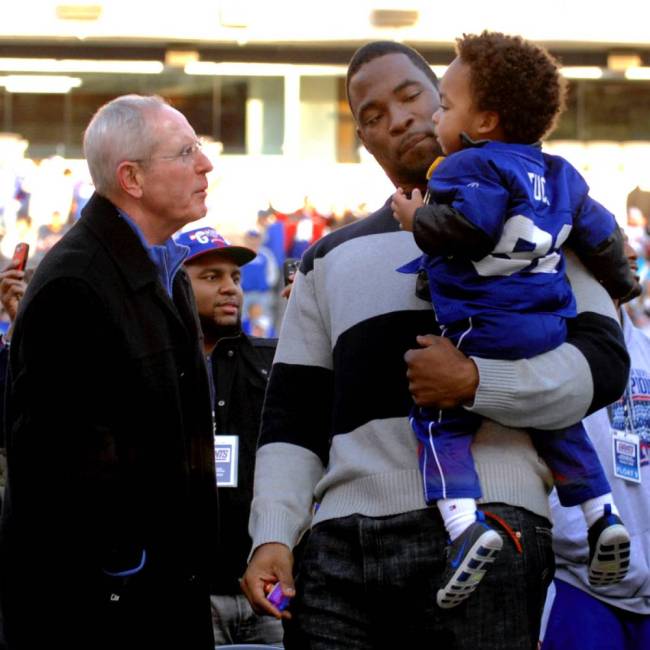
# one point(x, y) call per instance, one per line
point(277, 598)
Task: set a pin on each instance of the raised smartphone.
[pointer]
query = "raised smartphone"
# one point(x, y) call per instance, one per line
point(21, 253)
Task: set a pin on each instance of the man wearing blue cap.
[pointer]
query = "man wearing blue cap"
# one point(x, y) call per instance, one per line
point(239, 366)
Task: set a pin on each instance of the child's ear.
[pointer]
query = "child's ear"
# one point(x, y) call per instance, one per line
point(488, 122)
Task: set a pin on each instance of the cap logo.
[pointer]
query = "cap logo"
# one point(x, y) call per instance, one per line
point(208, 236)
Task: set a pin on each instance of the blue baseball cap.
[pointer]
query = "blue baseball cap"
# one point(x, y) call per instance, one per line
point(207, 240)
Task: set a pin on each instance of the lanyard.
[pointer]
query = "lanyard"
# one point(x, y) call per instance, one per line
point(629, 417)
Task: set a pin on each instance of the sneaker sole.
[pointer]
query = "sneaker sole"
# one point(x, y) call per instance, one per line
point(471, 570)
point(612, 557)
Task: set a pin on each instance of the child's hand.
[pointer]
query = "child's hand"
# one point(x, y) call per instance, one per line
point(404, 208)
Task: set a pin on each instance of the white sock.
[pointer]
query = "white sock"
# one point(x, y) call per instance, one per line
point(458, 515)
point(593, 509)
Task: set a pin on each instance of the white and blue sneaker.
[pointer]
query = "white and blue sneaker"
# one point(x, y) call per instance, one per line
point(609, 550)
point(468, 558)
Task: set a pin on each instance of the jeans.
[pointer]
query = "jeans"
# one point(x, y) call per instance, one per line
point(367, 583)
point(234, 621)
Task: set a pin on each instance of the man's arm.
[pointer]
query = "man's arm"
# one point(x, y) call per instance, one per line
point(294, 443)
point(550, 391)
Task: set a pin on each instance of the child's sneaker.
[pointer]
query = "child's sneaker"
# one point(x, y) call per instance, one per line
point(609, 550)
point(467, 560)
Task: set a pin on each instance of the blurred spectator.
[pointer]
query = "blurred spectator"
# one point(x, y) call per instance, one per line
point(8, 189)
point(310, 226)
point(257, 322)
point(49, 234)
point(51, 185)
point(23, 195)
point(636, 227)
point(614, 616)
point(12, 288)
point(23, 231)
point(83, 190)
point(272, 226)
point(13, 284)
point(638, 200)
point(347, 217)
point(260, 276)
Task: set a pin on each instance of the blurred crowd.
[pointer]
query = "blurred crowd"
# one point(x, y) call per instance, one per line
point(40, 201)
point(638, 232)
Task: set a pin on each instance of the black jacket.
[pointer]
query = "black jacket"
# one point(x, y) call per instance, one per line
point(241, 366)
point(110, 452)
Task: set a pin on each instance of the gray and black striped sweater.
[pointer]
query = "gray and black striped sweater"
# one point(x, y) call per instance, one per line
point(335, 427)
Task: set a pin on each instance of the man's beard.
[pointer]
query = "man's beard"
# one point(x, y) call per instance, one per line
point(214, 331)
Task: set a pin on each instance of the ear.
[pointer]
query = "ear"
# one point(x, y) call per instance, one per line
point(360, 136)
point(363, 141)
point(129, 178)
point(488, 122)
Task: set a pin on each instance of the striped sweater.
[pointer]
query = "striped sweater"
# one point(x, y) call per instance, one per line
point(335, 424)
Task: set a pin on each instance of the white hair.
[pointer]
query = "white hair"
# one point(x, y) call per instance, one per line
point(119, 131)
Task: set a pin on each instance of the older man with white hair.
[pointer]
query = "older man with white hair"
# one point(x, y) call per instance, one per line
point(108, 531)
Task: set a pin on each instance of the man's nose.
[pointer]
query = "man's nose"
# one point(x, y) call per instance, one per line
point(400, 119)
point(202, 163)
point(228, 286)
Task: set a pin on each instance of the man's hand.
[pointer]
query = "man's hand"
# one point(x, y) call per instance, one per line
point(440, 375)
point(12, 289)
point(404, 208)
point(270, 563)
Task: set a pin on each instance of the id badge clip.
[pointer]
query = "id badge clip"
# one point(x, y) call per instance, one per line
point(226, 460)
point(626, 449)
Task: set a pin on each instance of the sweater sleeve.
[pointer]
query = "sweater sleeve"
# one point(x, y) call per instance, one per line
point(560, 387)
point(296, 422)
point(606, 260)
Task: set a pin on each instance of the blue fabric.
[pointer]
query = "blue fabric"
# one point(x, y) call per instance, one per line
point(445, 437)
point(577, 471)
point(513, 304)
point(274, 241)
point(528, 203)
point(444, 453)
point(445, 459)
point(298, 248)
point(167, 257)
point(578, 620)
point(254, 276)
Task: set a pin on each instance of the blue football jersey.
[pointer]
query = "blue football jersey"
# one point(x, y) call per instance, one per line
point(528, 203)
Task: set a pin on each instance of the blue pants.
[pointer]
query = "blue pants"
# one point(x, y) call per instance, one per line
point(445, 458)
point(579, 620)
point(370, 582)
point(445, 437)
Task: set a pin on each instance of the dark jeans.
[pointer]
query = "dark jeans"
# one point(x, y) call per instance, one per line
point(367, 583)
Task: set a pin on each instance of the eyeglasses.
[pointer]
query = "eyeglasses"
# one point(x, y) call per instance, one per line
point(187, 154)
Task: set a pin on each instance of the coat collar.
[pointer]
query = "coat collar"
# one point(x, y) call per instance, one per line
point(126, 250)
point(101, 217)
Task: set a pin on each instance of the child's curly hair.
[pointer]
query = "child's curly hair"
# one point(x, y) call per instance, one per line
point(518, 80)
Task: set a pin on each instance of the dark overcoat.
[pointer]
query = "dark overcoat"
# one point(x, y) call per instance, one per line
point(109, 526)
